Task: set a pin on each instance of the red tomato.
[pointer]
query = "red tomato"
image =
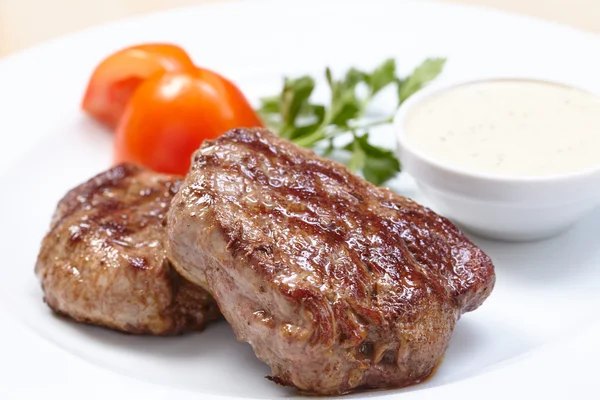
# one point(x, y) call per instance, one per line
point(170, 115)
point(116, 78)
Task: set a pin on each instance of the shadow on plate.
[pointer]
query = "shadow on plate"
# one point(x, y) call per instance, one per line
point(210, 362)
point(474, 349)
point(182, 360)
point(196, 345)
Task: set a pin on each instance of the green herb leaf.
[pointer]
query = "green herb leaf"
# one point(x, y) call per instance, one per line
point(344, 103)
point(346, 108)
point(313, 114)
point(382, 76)
point(380, 164)
point(270, 105)
point(269, 112)
point(294, 116)
point(294, 98)
point(353, 78)
point(422, 75)
point(358, 158)
point(329, 77)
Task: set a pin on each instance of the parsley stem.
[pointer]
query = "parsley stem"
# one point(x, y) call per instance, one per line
point(317, 135)
point(321, 133)
point(363, 105)
point(311, 139)
point(373, 124)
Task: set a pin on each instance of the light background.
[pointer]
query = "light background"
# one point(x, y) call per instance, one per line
point(25, 23)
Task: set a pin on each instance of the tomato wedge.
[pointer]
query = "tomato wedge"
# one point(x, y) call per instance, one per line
point(170, 115)
point(117, 77)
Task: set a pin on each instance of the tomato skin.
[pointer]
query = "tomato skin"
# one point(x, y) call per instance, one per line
point(116, 78)
point(170, 115)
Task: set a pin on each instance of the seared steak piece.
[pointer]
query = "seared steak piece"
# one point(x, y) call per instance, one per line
point(336, 284)
point(104, 260)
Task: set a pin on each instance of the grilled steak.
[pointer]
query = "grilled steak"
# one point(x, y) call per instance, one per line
point(336, 284)
point(104, 259)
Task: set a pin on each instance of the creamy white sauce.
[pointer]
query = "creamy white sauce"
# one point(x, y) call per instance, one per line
point(515, 128)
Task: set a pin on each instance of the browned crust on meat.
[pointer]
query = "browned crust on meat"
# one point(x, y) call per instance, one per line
point(103, 262)
point(336, 283)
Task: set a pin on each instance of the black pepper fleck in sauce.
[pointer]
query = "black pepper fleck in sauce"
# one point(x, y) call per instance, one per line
point(516, 126)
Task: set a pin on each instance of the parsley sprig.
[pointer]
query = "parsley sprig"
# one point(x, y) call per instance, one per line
point(294, 116)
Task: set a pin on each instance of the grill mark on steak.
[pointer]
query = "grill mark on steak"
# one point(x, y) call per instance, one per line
point(313, 225)
point(113, 178)
point(355, 286)
point(104, 261)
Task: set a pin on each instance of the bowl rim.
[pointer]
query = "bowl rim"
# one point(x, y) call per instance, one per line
point(436, 88)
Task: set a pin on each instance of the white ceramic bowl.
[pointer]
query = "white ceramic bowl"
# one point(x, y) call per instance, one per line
point(506, 208)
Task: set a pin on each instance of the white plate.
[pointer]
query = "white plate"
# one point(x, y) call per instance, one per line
point(538, 333)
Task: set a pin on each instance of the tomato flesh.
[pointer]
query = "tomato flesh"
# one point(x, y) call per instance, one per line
point(169, 116)
point(117, 77)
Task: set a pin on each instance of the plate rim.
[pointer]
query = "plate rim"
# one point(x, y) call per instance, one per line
point(162, 392)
